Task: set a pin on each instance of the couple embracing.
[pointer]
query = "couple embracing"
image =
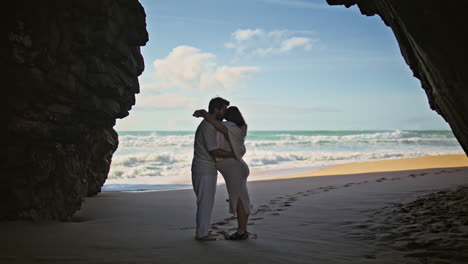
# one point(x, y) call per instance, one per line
point(219, 146)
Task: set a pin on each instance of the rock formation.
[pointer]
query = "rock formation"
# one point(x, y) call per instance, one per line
point(70, 69)
point(433, 37)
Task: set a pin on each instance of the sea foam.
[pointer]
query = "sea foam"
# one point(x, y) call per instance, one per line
point(153, 157)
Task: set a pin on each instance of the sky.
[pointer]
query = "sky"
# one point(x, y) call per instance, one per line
point(287, 65)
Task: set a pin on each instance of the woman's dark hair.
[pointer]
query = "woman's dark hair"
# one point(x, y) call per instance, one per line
point(234, 115)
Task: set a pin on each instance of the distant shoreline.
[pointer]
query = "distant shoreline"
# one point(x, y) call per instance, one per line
point(388, 165)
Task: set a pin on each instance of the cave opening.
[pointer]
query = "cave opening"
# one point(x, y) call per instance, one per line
point(319, 85)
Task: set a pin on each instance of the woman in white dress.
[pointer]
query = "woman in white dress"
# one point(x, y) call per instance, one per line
point(231, 135)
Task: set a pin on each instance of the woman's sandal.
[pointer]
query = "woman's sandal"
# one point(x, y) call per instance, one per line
point(237, 236)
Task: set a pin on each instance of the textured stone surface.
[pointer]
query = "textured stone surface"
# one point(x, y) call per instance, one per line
point(433, 36)
point(70, 70)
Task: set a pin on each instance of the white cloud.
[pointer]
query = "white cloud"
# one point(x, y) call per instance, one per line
point(226, 77)
point(263, 51)
point(278, 33)
point(155, 86)
point(169, 101)
point(295, 42)
point(183, 66)
point(246, 34)
point(269, 42)
point(129, 123)
point(188, 68)
point(229, 45)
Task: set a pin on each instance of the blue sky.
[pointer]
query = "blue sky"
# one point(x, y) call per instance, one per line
point(288, 65)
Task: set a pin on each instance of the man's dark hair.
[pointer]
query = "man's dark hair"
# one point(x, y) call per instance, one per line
point(217, 103)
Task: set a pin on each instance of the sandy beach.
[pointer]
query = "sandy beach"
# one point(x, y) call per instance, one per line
point(418, 163)
point(393, 211)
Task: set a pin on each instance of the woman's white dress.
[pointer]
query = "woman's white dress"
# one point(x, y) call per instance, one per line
point(235, 171)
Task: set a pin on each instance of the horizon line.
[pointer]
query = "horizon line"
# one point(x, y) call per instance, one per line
point(296, 130)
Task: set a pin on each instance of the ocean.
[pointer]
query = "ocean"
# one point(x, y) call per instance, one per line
point(161, 160)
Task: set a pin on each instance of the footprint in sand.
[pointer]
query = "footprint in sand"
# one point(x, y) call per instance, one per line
point(381, 179)
point(361, 226)
point(260, 210)
point(369, 256)
point(275, 214)
point(257, 218)
point(186, 228)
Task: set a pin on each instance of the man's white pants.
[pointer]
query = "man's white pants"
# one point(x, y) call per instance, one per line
point(204, 176)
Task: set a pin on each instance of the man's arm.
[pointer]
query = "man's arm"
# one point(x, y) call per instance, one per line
point(212, 143)
point(216, 123)
point(222, 153)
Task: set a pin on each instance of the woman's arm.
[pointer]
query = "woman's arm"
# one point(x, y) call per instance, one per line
point(216, 123)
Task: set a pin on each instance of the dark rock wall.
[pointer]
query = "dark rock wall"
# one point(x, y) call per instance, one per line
point(433, 39)
point(70, 69)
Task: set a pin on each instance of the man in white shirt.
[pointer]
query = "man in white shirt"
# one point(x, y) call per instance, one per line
point(204, 173)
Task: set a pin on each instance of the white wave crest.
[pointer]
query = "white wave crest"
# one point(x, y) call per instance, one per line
point(155, 141)
point(395, 137)
point(165, 158)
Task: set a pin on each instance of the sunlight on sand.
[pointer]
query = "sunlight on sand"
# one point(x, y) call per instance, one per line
point(428, 162)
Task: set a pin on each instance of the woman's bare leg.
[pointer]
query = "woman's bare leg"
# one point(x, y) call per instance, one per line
point(242, 218)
